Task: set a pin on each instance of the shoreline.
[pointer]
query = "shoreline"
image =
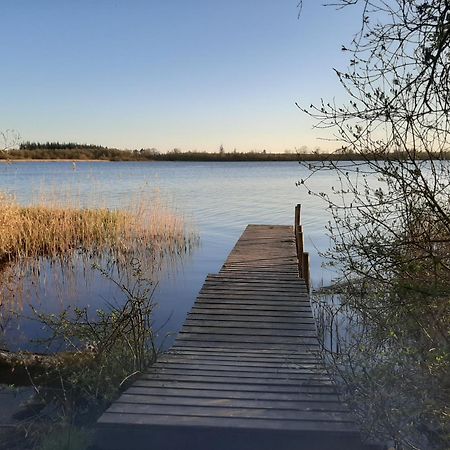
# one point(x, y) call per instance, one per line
point(28, 160)
point(299, 159)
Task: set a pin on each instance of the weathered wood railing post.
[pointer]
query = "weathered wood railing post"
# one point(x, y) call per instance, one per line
point(297, 216)
point(303, 258)
point(306, 273)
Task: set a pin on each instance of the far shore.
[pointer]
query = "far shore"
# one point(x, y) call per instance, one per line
point(77, 153)
point(27, 160)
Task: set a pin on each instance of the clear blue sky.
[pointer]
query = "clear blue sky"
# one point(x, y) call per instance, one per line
point(186, 74)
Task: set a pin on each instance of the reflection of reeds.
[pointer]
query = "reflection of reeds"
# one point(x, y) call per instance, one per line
point(62, 232)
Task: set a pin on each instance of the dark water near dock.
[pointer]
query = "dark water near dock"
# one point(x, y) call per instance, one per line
point(220, 199)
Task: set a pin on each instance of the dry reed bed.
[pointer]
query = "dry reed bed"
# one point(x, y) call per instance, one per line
point(56, 231)
point(59, 231)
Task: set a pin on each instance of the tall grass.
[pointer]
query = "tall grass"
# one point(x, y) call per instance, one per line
point(56, 231)
point(60, 231)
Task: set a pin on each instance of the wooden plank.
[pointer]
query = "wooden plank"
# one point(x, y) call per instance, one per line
point(238, 281)
point(248, 331)
point(263, 260)
point(256, 270)
point(117, 418)
point(269, 288)
point(237, 379)
point(258, 286)
point(309, 375)
point(201, 359)
point(270, 313)
point(293, 279)
point(260, 294)
point(254, 298)
point(229, 317)
point(286, 268)
point(241, 327)
point(250, 303)
point(301, 398)
point(235, 310)
point(241, 362)
point(138, 397)
point(225, 337)
point(247, 354)
point(178, 363)
point(271, 304)
point(194, 320)
point(222, 370)
point(224, 302)
point(243, 386)
point(291, 283)
point(242, 413)
point(247, 345)
point(255, 295)
point(233, 313)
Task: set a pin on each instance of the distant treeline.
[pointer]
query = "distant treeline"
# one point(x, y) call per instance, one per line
point(71, 150)
point(75, 151)
point(59, 146)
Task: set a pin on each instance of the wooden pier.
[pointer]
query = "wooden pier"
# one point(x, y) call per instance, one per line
point(244, 372)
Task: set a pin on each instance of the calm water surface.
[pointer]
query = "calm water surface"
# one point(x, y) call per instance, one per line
point(220, 199)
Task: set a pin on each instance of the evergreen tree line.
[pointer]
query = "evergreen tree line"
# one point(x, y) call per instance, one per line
point(75, 151)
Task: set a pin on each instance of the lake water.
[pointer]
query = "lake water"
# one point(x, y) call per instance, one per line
point(220, 199)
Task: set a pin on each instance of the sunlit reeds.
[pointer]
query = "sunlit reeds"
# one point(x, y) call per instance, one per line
point(60, 231)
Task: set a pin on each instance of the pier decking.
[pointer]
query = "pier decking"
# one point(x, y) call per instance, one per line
point(244, 372)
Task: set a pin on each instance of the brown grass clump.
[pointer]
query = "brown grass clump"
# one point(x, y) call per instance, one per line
point(55, 231)
point(59, 232)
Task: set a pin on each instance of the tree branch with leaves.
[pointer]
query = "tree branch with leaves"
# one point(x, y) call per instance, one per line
point(390, 217)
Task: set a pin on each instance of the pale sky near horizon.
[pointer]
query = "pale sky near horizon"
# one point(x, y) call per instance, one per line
point(192, 75)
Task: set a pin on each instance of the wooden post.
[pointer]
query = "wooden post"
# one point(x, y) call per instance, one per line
point(298, 230)
point(297, 217)
point(303, 258)
point(299, 239)
point(305, 270)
